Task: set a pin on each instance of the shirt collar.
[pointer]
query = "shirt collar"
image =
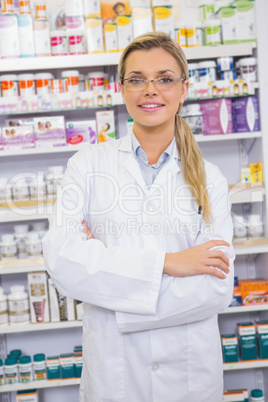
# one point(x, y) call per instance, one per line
point(136, 147)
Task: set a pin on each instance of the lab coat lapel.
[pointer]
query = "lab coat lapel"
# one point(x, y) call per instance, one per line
point(131, 164)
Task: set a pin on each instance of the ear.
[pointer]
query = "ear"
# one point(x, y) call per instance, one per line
point(184, 91)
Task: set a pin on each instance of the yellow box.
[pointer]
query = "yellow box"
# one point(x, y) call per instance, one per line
point(255, 172)
point(254, 291)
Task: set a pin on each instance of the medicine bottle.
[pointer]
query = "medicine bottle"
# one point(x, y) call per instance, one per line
point(207, 71)
point(2, 378)
point(5, 190)
point(257, 396)
point(54, 180)
point(194, 118)
point(11, 370)
point(18, 305)
point(25, 369)
point(255, 226)
point(8, 248)
point(240, 227)
point(3, 309)
point(33, 245)
point(20, 190)
point(39, 367)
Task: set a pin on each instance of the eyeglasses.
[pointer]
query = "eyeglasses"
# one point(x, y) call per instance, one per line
point(138, 84)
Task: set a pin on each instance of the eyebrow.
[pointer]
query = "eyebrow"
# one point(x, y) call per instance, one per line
point(159, 72)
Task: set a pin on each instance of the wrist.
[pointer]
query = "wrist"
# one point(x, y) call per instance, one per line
point(167, 263)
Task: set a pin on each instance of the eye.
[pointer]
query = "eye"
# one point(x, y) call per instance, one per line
point(135, 81)
point(166, 80)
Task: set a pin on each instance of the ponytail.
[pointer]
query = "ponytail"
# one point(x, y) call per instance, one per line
point(192, 164)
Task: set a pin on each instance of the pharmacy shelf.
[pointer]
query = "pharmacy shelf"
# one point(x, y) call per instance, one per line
point(26, 214)
point(23, 265)
point(39, 384)
point(245, 365)
point(249, 194)
point(12, 329)
point(245, 309)
point(75, 148)
point(228, 137)
point(108, 59)
point(258, 246)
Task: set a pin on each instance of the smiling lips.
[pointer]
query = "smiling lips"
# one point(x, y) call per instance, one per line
point(149, 107)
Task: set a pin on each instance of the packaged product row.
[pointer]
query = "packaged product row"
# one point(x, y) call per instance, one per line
point(242, 395)
point(250, 343)
point(53, 131)
point(250, 227)
point(42, 304)
point(223, 116)
point(111, 28)
point(249, 292)
point(18, 367)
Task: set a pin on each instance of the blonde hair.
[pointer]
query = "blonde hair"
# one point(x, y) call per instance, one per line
point(192, 164)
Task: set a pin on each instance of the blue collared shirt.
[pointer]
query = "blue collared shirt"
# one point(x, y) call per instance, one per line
point(149, 172)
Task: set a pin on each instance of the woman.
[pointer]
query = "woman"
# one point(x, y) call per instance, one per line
point(158, 265)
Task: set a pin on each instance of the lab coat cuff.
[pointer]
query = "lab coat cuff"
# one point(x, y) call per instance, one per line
point(126, 321)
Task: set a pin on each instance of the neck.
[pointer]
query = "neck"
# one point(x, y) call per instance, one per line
point(153, 140)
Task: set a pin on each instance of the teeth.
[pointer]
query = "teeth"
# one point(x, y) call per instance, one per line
point(150, 106)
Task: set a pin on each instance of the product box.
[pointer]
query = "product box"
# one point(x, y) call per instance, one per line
point(38, 295)
point(41, 38)
point(110, 9)
point(81, 131)
point(217, 116)
point(254, 291)
point(62, 308)
point(246, 115)
point(67, 365)
point(105, 125)
point(255, 172)
point(229, 23)
point(18, 137)
point(93, 27)
point(229, 348)
point(247, 341)
point(79, 309)
point(124, 31)
point(28, 395)
point(262, 338)
point(26, 36)
point(9, 36)
point(49, 131)
point(53, 367)
point(246, 20)
point(164, 20)
point(92, 8)
point(141, 20)
point(75, 23)
point(110, 37)
point(233, 396)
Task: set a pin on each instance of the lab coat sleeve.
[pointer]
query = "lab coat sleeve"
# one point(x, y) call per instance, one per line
point(120, 278)
point(188, 299)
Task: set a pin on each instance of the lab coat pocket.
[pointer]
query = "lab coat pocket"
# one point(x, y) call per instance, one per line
point(103, 359)
point(204, 355)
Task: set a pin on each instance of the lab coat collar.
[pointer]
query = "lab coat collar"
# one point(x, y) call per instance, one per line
point(131, 165)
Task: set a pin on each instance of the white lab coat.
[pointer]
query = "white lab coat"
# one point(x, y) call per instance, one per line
point(147, 337)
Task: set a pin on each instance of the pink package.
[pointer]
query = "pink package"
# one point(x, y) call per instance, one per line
point(217, 116)
point(20, 137)
point(1, 142)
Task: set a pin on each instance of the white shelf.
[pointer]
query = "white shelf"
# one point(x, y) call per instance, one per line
point(39, 384)
point(21, 266)
point(12, 329)
point(38, 151)
point(252, 250)
point(245, 309)
point(108, 59)
point(247, 195)
point(228, 137)
point(23, 214)
point(245, 365)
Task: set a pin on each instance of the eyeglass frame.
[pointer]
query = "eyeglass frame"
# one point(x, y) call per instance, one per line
point(181, 79)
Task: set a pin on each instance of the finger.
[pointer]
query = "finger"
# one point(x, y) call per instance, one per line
point(214, 243)
point(215, 272)
point(219, 264)
point(219, 254)
point(90, 236)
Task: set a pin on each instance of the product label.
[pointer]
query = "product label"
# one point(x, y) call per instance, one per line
point(41, 38)
point(19, 311)
point(9, 36)
point(213, 35)
point(76, 44)
point(9, 88)
point(229, 341)
point(39, 371)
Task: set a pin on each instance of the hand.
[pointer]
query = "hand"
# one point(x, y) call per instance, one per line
point(198, 260)
point(87, 231)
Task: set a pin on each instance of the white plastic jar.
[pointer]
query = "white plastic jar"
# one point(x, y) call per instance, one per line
point(76, 42)
point(37, 189)
point(40, 9)
point(25, 369)
point(180, 33)
point(33, 245)
point(256, 395)
point(26, 84)
point(21, 244)
point(70, 80)
point(255, 226)
point(248, 69)
point(207, 71)
point(3, 308)
point(18, 305)
point(194, 118)
point(8, 248)
point(9, 85)
point(193, 73)
point(212, 32)
point(58, 43)
point(11, 370)
point(194, 34)
point(240, 227)
point(5, 190)
point(20, 190)
point(96, 81)
point(43, 83)
point(54, 180)
point(207, 8)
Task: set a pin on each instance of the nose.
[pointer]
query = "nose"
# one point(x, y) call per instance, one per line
point(150, 88)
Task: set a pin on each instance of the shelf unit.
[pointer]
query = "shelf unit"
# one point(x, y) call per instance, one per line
point(245, 365)
point(39, 384)
point(245, 309)
point(13, 329)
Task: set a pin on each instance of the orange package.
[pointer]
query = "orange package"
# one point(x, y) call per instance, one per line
point(254, 291)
